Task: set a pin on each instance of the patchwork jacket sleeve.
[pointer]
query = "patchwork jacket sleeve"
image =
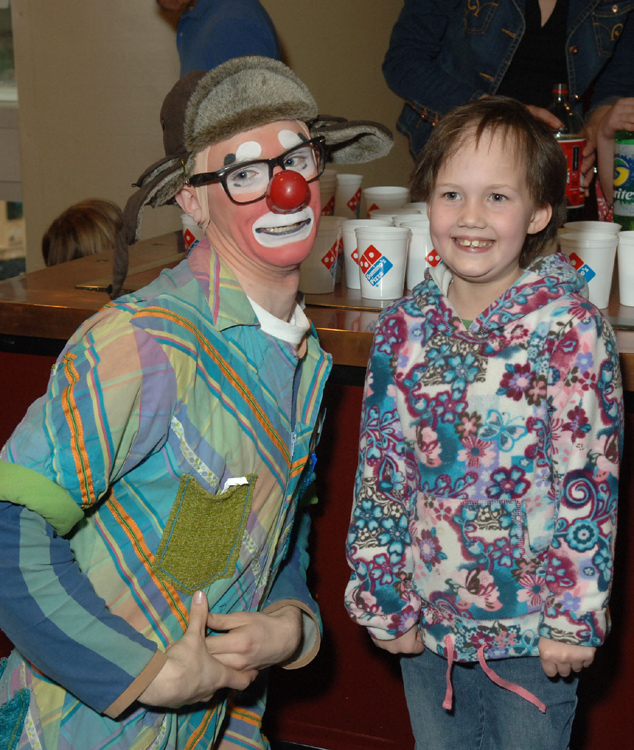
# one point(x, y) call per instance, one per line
point(379, 595)
point(105, 410)
point(290, 587)
point(585, 400)
point(51, 613)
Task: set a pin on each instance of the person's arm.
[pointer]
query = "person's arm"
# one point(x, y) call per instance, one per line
point(585, 400)
point(52, 614)
point(411, 66)
point(606, 122)
point(379, 595)
point(101, 416)
point(616, 81)
point(287, 632)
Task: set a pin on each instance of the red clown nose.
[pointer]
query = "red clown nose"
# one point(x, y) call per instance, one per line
point(287, 192)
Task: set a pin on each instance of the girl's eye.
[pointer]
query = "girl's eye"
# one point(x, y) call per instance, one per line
point(451, 195)
point(498, 198)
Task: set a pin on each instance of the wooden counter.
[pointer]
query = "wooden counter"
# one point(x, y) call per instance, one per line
point(54, 302)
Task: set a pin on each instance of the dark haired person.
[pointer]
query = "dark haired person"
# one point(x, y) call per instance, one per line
point(483, 527)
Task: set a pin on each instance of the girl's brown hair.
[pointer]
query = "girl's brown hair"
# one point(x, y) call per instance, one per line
point(85, 228)
point(543, 158)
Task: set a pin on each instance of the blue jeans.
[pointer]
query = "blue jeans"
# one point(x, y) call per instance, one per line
point(485, 716)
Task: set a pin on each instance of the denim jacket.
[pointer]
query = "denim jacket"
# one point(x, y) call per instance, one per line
point(446, 52)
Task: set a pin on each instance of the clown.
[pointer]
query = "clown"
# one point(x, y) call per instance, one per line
point(153, 520)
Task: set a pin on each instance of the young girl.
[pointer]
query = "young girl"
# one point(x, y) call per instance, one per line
point(483, 526)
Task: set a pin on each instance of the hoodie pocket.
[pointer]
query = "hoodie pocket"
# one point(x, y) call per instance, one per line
point(203, 536)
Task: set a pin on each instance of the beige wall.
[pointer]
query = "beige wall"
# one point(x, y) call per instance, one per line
point(92, 75)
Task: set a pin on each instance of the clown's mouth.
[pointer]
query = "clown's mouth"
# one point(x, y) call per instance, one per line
point(285, 230)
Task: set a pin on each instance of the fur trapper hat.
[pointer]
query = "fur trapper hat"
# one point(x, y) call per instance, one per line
point(204, 108)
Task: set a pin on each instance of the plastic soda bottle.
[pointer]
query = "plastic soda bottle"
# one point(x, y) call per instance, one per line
point(572, 141)
point(624, 179)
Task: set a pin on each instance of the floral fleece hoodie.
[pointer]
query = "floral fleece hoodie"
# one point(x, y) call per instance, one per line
point(486, 493)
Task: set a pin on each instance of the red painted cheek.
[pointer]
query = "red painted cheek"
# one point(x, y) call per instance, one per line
point(287, 193)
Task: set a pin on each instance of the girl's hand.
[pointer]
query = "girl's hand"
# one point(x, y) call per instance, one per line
point(561, 658)
point(408, 643)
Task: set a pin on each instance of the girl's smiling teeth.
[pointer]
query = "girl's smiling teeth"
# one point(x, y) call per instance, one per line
point(472, 243)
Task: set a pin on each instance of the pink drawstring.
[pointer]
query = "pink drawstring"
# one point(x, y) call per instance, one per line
point(447, 703)
point(522, 692)
point(517, 689)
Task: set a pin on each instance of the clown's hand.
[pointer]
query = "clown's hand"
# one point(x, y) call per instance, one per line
point(191, 674)
point(255, 640)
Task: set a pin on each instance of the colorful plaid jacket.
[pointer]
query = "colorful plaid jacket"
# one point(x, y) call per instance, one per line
point(116, 509)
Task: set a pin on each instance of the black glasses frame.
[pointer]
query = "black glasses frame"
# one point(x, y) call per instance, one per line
point(206, 178)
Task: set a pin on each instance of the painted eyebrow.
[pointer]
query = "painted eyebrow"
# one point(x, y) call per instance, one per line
point(229, 159)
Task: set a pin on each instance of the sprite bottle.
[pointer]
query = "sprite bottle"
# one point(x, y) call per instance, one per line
point(624, 179)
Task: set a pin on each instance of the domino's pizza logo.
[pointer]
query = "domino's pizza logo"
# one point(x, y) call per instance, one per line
point(353, 203)
point(330, 258)
point(581, 267)
point(433, 258)
point(371, 208)
point(190, 239)
point(329, 208)
point(374, 265)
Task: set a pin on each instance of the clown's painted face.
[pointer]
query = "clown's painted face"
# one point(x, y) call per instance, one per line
point(257, 234)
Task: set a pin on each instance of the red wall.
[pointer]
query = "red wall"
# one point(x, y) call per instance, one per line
point(351, 697)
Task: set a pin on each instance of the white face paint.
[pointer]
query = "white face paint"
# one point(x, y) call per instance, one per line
point(275, 230)
point(248, 151)
point(289, 139)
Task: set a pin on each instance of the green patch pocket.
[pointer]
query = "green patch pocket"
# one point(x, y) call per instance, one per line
point(203, 535)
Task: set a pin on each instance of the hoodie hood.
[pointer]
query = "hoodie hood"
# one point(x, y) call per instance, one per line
point(545, 280)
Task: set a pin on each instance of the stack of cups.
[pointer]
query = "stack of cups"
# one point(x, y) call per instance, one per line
point(350, 252)
point(626, 268)
point(417, 206)
point(318, 272)
point(421, 250)
point(386, 196)
point(338, 221)
point(382, 260)
point(396, 214)
point(348, 195)
point(328, 187)
point(591, 248)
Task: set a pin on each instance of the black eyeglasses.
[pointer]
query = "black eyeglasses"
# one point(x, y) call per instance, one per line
point(248, 182)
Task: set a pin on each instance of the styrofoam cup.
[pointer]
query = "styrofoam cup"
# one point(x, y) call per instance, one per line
point(593, 257)
point(337, 221)
point(328, 187)
point(418, 205)
point(384, 196)
point(382, 260)
point(400, 219)
point(192, 233)
point(348, 195)
point(350, 254)
point(591, 226)
point(420, 247)
point(317, 273)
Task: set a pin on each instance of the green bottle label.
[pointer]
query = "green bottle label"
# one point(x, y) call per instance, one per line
point(624, 182)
